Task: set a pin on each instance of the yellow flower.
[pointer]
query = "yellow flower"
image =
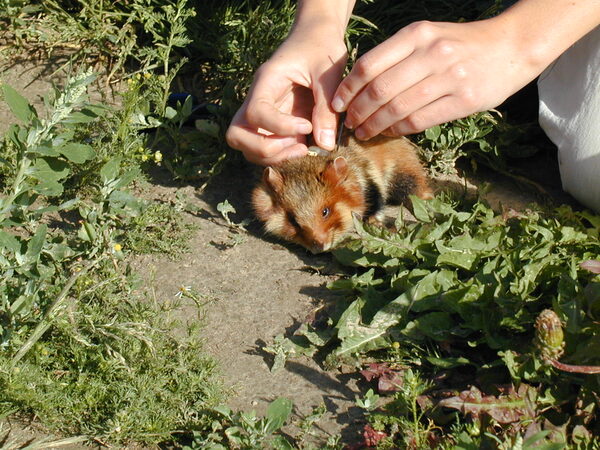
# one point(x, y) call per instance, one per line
point(117, 247)
point(147, 75)
point(158, 156)
point(145, 157)
point(396, 345)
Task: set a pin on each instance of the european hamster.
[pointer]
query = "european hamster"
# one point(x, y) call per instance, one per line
point(310, 200)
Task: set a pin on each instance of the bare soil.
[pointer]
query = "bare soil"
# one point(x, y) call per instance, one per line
point(255, 287)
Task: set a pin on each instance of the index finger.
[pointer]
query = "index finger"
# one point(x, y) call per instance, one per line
point(372, 64)
point(261, 110)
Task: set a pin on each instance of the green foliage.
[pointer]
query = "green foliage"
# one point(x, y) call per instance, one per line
point(83, 349)
point(461, 288)
point(247, 430)
point(111, 367)
point(160, 228)
point(486, 137)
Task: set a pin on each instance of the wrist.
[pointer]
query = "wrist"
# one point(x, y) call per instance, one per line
point(539, 31)
point(331, 16)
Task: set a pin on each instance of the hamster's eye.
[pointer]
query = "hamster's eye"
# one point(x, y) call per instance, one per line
point(325, 213)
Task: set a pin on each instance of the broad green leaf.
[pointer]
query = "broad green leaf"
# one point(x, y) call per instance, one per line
point(50, 188)
point(110, 170)
point(77, 153)
point(87, 232)
point(463, 259)
point(45, 150)
point(278, 412)
point(207, 127)
point(281, 443)
point(420, 210)
point(19, 106)
point(49, 169)
point(170, 113)
point(86, 115)
point(9, 241)
point(435, 325)
point(433, 133)
point(36, 243)
point(448, 363)
point(125, 179)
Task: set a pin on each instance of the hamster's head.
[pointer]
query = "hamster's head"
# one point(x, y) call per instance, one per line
point(309, 201)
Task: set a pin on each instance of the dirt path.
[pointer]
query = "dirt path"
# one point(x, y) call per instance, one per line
point(256, 289)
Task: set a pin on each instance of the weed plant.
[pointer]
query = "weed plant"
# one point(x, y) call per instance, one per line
point(83, 348)
point(457, 296)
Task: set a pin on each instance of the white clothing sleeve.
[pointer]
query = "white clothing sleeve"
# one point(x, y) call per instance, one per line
point(569, 113)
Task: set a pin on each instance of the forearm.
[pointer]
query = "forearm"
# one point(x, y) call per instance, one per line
point(333, 14)
point(544, 29)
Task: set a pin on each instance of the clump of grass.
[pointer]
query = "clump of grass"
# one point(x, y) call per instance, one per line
point(112, 368)
point(160, 228)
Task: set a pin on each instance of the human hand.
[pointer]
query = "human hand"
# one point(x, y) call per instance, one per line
point(430, 73)
point(289, 98)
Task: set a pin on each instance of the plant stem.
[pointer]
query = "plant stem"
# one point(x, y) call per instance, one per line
point(46, 321)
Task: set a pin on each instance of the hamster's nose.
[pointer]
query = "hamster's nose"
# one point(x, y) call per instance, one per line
point(319, 247)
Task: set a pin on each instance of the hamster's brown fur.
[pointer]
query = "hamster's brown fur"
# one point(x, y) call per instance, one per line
point(310, 200)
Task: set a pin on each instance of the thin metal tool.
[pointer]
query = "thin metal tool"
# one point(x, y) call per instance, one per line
point(340, 130)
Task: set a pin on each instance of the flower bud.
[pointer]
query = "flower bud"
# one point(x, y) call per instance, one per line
point(549, 337)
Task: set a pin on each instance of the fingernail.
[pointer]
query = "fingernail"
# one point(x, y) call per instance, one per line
point(337, 104)
point(303, 127)
point(360, 134)
point(327, 138)
point(348, 124)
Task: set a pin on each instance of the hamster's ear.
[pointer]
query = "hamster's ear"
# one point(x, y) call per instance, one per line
point(273, 179)
point(336, 171)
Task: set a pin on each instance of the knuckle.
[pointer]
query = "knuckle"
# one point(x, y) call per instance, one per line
point(353, 116)
point(369, 128)
point(459, 71)
point(423, 91)
point(415, 122)
point(468, 98)
point(363, 66)
point(264, 151)
point(231, 138)
point(378, 89)
point(397, 108)
point(422, 29)
point(444, 48)
point(252, 116)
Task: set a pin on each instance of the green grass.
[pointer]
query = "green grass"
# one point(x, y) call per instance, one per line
point(112, 368)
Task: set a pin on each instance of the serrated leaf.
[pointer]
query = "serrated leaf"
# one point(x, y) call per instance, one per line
point(19, 106)
point(420, 210)
point(509, 408)
point(77, 153)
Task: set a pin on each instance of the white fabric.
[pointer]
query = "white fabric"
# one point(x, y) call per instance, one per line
point(570, 115)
